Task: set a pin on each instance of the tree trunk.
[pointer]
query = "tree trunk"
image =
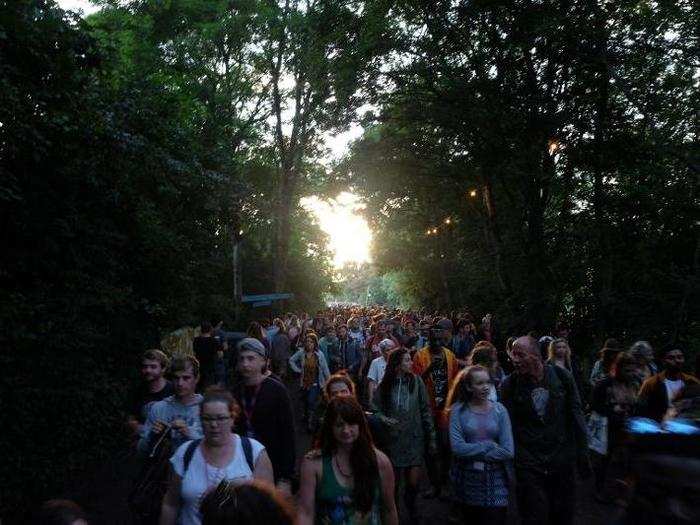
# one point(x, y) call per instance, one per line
point(236, 262)
point(493, 238)
point(602, 275)
point(283, 228)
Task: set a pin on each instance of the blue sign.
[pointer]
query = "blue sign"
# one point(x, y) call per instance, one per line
point(266, 297)
point(262, 303)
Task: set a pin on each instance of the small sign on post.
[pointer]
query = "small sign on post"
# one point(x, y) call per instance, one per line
point(266, 298)
point(261, 303)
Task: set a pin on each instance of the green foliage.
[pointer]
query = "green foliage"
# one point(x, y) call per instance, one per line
point(598, 229)
point(535, 160)
point(132, 152)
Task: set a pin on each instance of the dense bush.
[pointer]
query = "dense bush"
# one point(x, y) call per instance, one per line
point(116, 219)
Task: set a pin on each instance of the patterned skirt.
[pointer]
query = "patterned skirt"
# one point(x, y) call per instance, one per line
point(482, 488)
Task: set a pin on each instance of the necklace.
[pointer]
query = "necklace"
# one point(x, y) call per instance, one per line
point(337, 465)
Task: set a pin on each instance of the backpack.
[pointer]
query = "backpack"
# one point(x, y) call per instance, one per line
point(146, 497)
point(192, 446)
point(151, 483)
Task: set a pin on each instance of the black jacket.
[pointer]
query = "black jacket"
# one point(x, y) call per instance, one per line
point(272, 424)
point(556, 440)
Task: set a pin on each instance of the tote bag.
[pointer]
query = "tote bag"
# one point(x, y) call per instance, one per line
point(598, 433)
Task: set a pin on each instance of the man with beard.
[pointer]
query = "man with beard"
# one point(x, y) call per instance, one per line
point(266, 410)
point(660, 390)
point(153, 387)
point(437, 366)
point(177, 414)
point(550, 436)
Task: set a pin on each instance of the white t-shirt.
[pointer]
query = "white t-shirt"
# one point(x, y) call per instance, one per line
point(376, 369)
point(672, 389)
point(201, 478)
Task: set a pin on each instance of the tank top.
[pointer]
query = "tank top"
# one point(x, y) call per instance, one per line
point(334, 505)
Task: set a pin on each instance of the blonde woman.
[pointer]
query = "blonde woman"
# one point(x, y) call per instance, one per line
point(559, 354)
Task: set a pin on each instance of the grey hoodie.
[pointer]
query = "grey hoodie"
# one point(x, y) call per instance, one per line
point(167, 411)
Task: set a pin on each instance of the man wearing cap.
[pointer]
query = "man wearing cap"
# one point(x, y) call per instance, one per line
point(659, 391)
point(437, 366)
point(266, 410)
point(378, 366)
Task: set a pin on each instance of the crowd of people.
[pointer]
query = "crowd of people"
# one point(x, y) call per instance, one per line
point(384, 394)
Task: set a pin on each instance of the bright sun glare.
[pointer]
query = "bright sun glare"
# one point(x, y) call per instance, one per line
point(349, 233)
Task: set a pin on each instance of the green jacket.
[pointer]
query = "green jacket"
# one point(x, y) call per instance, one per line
point(414, 431)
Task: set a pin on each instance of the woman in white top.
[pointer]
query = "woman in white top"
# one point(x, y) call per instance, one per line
point(198, 468)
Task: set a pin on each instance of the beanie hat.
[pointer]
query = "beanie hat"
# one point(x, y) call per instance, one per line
point(250, 344)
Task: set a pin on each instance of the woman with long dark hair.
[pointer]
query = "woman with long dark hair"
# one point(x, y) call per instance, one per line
point(603, 366)
point(402, 404)
point(347, 480)
point(482, 442)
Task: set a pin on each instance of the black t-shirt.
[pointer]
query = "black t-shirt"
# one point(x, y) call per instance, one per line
point(205, 349)
point(440, 382)
point(267, 414)
point(142, 399)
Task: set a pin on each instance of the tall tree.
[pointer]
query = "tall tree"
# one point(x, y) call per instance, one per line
point(554, 116)
point(320, 56)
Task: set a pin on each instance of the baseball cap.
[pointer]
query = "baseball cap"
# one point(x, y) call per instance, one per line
point(386, 344)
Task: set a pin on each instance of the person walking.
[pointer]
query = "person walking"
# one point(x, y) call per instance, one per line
point(377, 367)
point(659, 391)
point(154, 387)
point(310, 363)
point(178, 415)
point(401, 402)
point(463, 342)
point(199, 466)
point(606, 358)
point(614, 398)
point(437, 367)
point(485, 354)
point(559, 353)
point(482, 443)
point(643, 353)
point(267, 414)
point(207, 349)
point(280, 350)
point(329, 344)
point(550, 436)
point(347, 480)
